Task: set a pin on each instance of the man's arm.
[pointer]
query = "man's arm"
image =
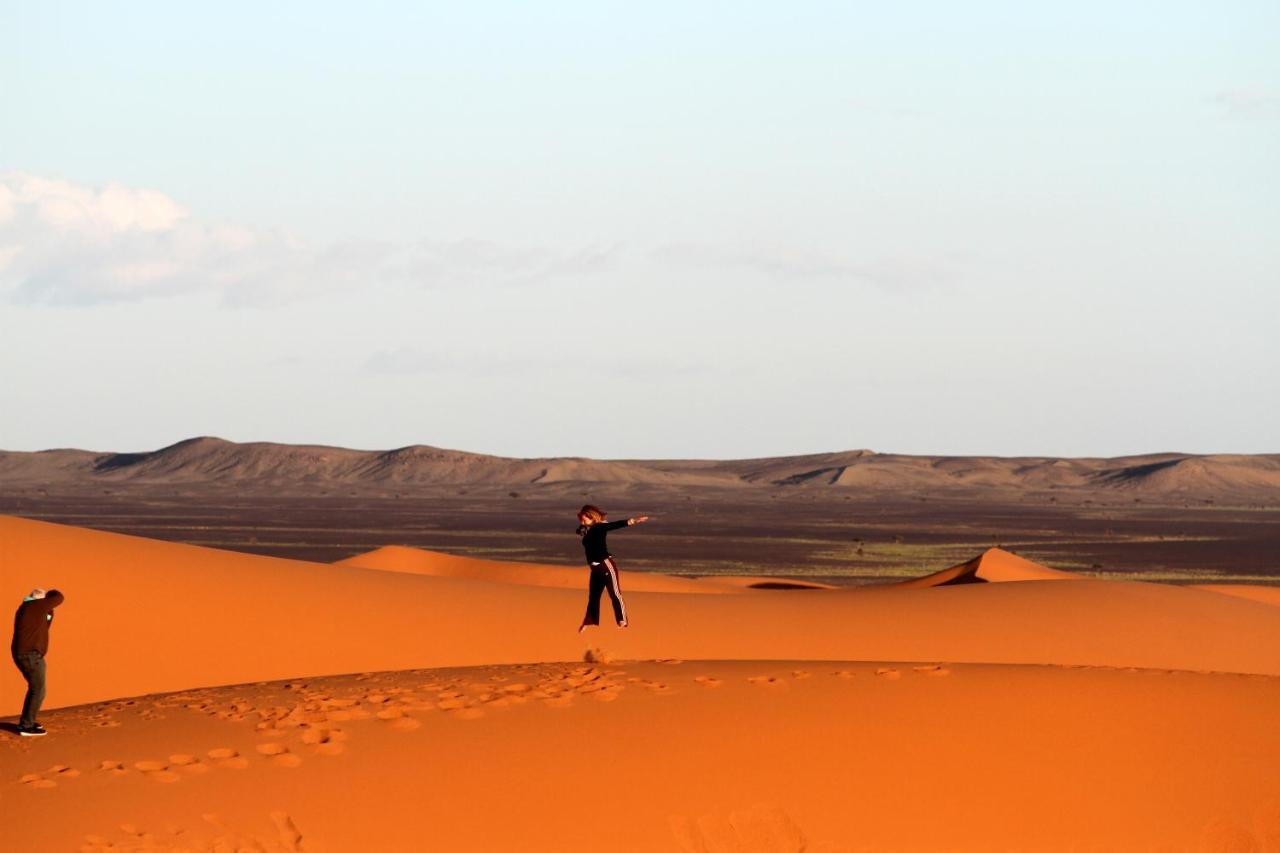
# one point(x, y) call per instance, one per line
point(614, 525)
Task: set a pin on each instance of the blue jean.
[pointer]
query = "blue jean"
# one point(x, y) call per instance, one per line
point(32, 666)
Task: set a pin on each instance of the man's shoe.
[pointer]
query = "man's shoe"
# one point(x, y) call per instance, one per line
point(33, 730)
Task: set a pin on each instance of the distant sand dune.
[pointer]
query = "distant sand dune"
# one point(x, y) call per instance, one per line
point(420, 561)
point(145, 616)
point(994, 565)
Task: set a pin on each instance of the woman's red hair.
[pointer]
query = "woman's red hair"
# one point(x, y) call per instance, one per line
point(589, 512)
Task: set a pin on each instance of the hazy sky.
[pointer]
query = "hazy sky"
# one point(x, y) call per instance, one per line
point(642, 229)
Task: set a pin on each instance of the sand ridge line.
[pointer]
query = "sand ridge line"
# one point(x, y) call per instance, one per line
point(457, 691)
point(465, 694)
point(311, 721)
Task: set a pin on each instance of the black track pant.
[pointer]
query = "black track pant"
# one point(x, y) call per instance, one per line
point(604, 576)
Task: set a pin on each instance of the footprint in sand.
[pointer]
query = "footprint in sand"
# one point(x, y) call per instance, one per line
point(888, 674)
point(608, 694)
point(935, 669)
point(156, 771)
point(61, 771)
point(452, 704)
point(801, 673)
point(115, 768)
point(844, 673)
point(36, 780)
point(397, 718)
point(707, 681)
point(760, 829)
point(279, 754)
point(325, 741)
point(188, 764)
point(766, 681)
point(225, 756)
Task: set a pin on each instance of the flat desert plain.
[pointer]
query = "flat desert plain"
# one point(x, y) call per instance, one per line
point(406, 700)
point(841, 518)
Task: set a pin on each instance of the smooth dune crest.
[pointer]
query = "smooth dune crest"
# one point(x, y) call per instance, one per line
point(421, 561)
point(1252, 592)
point(995, 565)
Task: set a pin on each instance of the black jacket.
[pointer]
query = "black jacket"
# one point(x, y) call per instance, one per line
point(593, 539)
point(31, 624)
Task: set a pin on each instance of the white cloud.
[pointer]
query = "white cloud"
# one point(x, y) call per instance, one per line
point(64, 243)
point(1249, 103)
point(791, 264)
point(407, 360)
point(481, 258)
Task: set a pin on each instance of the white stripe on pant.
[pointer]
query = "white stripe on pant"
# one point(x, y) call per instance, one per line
point(600, 581)
point(617, 590)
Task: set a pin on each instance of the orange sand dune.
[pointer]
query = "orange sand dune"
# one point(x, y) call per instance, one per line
point(994, 565)
point(398, 558)
point(760, 722)
point(693, 757)
point(1264, 594)
point(145, 616)
point(763, 582)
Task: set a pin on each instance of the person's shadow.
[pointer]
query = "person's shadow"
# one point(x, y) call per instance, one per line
point(11, 728)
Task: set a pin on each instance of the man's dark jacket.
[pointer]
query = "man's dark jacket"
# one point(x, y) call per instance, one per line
point(31, 623)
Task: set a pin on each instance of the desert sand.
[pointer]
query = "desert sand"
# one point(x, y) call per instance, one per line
point(208, 700)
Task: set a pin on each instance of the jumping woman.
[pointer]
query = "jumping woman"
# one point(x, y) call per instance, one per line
point(604, 571)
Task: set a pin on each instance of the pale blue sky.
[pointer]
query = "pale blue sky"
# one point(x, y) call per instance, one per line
point(608, 229)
